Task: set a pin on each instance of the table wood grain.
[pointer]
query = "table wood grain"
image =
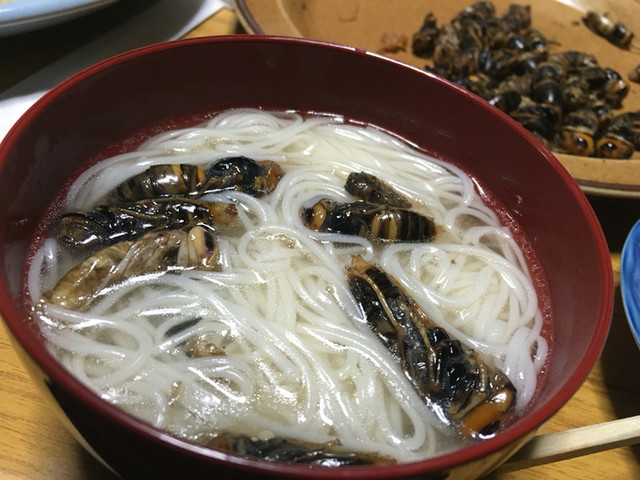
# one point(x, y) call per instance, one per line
point(34, 445)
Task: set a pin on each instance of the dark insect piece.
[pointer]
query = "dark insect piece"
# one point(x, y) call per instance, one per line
point(243, 174)
point(456, 384)
point(233, 173)
point(177, 180)
point(423, 41)
point(541, 120)
point(108, 224)
point(155, 252)
point(578, 132)
point(371, 189)
point(607, 83)
point(376, 222)
point(621, 137)
point(278, 449)
point(615, 33)
point(507, 101)
point(634, 75)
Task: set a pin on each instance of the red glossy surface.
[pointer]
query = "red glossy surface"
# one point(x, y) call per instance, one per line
point(105, 104)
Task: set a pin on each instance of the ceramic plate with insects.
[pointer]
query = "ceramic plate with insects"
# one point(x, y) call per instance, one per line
point(606, 32)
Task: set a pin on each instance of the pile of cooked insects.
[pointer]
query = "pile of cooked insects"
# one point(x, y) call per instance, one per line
point(566, 99)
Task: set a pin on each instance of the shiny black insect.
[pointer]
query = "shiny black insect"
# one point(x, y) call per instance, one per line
point(423, 41)
point(371, 189)
point(278, 449)
point(620, 138)
point(542, 120)
point(233, 173)
point(614, 32)
point(377, 222)
point(506, 101)
point(606, 83)
point(456, 384)
point(109, 224)
point(577, 135)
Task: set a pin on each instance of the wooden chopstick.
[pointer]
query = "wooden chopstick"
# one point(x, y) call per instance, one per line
point(557, 446)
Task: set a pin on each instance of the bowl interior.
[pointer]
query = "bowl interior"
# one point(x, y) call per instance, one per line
point(120, 100)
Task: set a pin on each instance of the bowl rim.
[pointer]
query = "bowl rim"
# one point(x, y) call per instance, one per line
point(528, 423)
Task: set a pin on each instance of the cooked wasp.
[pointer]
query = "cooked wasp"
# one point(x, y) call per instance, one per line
point(614, 89)
point(455, 383)
point(602, 110)
point(536, 42)
point(621, 137)
point(517, 17)
point(108, 224)
point(481, 10)
point(371, 189)
point(552, 69)
point(160, 181)
point(577, 133)
point(377, 222)
point(517, 83)
point(479, 83)
point(279, 449)
point(155, 252)
point(506, 101)
point(233, 173)
point(423, 41)
point(499, 64)
point(615, 33)
point(447, 44)
point(630, 121)
point(634, 75)
point(542, 120)
point(575, 92)
point(245, 174)
point(548, 92)
point(615, 145)
point(573, 60)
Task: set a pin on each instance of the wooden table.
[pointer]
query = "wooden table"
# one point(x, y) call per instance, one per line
point(35, 446)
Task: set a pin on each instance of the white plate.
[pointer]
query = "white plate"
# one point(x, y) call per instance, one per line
point(19, 16)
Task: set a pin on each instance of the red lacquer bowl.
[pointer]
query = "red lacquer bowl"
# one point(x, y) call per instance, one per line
point(168, 85)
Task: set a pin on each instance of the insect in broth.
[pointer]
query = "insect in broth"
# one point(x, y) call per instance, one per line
point(241, 173)
point(278, 449)
point(155, 252)
point(371, 189)
point(383, 223)
point(109, 224)
point(457, 385)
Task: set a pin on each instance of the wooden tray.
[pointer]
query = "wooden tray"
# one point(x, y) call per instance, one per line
point(362, 23)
